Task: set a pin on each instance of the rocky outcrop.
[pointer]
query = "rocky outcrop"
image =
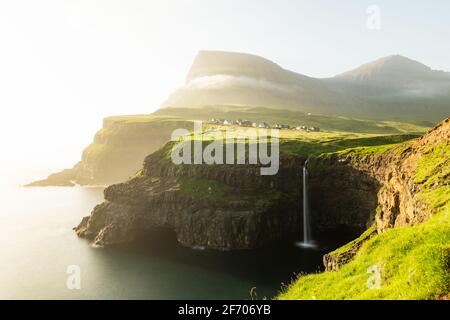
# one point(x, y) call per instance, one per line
point(334, 260)
point(118, 150)
point(218, 207)
point(385, 181)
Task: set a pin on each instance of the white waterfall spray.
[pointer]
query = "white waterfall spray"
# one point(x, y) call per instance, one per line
point(306, 219)
point(307, 238)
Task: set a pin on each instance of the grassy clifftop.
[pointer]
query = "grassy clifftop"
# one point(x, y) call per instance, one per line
point(119, 148)
point(297, 118)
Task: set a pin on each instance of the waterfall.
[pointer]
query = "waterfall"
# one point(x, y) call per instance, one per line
point(306, 220)
point(307, 239)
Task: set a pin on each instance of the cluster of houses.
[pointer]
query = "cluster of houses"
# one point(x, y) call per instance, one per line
point(263, 125)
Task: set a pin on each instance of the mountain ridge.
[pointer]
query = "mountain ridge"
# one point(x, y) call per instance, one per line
point(390, 87)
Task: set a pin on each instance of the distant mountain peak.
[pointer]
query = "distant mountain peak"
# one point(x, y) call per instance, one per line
point(212, 63)
point(208, 63)
point(398, 61)
point(388, 68)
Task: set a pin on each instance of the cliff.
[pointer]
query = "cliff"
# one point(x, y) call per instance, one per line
point(223, 206)
point(234, 207)
point(118, 150)
point(407, 248)
point(380, 184)
point(218, 206)
point(383, 185)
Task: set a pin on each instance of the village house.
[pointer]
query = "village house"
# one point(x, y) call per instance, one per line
point(281, 126)
point(246, 123)
point(217, 121)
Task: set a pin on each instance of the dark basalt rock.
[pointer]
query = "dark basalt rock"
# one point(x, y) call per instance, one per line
point(236, 209)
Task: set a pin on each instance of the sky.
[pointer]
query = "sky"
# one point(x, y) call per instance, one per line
point(65, 65)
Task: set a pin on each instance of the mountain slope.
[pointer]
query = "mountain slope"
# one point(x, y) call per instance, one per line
point(393, 70)
point(225, 78)
point(391, 87)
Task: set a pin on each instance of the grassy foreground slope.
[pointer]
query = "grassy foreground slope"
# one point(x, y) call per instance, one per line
point(413, 262)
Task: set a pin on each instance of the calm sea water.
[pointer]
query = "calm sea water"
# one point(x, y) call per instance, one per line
point(37, 245)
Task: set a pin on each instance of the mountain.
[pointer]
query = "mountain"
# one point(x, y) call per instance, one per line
point(398, 87)
point(225, 78)
point(391, 87)
point(393, 70)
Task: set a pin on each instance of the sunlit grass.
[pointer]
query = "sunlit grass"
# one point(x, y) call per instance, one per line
point(413, 263)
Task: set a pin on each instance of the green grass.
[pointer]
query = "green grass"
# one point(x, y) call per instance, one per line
point(304, 144)
point(414, 262)
point(433, 172)
point(338, 133)
point(295, 118)
point(434, 164)
point(362, 145)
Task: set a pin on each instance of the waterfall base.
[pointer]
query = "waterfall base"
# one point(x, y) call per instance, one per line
point(306, 245)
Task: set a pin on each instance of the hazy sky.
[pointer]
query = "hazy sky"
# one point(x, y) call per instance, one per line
point(64, 65)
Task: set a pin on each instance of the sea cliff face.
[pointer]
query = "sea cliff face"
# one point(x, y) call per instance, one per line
point(218, 207)
point(397, 187)
point(406, 250)
point(365, 185)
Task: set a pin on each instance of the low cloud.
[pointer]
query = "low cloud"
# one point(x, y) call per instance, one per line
point(228, 81)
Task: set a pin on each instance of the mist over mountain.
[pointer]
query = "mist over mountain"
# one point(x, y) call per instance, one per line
point(391, 87)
